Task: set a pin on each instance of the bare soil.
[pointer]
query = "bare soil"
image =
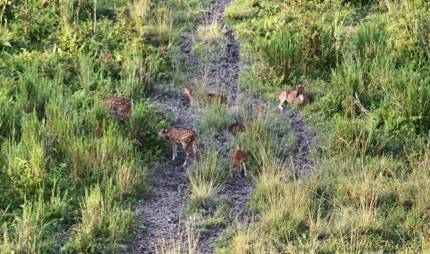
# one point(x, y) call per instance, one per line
point(161, 214)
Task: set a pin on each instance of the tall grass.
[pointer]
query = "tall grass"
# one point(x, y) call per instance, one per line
point(56, 135)
point(206, 177)
point(100, 215)
point(32, 231)
point(372, 149)
point(283, 53)
point(154, 20)
point(212, 121)
point(183, 241)
point(208, 42)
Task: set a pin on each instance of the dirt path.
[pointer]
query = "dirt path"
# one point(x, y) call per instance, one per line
point(161, 214)
point(224, 74)
point(302, 163)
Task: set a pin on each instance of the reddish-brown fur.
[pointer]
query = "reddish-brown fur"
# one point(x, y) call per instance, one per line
point(235, 128)
point(293, 96)
point(118, 106)
point(186, 137)
point(238, 158)
point(188, 91)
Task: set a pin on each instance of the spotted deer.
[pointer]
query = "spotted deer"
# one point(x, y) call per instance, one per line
point(294, 96)
point(235, 128)
point(218, 98)
point(186, 137)
point(118, 106)
point(237, 159)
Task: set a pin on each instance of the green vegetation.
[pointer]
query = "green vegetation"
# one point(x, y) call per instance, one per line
point(208, 42)
point(366, 64)
point(69, 171)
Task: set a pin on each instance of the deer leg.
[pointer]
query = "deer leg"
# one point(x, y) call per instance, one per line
point(174, 148)
point(280, 105)
point(186, 148)
point(244, 168)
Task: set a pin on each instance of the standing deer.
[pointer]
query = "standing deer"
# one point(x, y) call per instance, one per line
point(184, 136)
point(118, 106)
point(238, 158)
point(294, 96)
point(218, 98)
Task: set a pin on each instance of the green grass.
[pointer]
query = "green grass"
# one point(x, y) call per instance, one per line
point(69, 170)
point(208, 42)
point(212, 121)
point(367, 71)
point(206, 178)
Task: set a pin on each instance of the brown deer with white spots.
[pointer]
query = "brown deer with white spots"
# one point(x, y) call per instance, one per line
point(186, 137)
point(294, 96)
point(213, 97)
point(118, 106)
point(237, 160)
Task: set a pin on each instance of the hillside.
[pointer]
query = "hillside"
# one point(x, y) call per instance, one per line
point(87, 88)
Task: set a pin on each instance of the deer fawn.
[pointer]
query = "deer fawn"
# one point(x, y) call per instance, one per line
point(294, 96)
point(235, 128)
point(118, 106)
point(237, 159)
point(188, 91)
point(184, 136)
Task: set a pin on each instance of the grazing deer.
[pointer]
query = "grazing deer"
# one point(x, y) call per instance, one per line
point(237, 159)
point(218, 98)
point(294, 96)
point(118, 106)
point(184, 136)
point(235, 128)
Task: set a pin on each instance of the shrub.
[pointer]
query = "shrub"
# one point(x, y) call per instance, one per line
point(212, 121)
point(100, 216)
point(206, 177)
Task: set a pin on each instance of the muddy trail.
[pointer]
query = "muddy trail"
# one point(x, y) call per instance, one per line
point(162, 213)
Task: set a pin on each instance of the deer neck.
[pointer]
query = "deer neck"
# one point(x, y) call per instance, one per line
point(192, 98)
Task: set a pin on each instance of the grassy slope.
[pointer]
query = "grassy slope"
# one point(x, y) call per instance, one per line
point(68, 170)
point(369, 191)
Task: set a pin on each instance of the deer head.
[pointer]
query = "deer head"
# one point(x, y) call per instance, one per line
point(188, 91)
point(162, 134)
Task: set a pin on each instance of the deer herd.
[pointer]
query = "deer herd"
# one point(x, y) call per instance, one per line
point(122, 107)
